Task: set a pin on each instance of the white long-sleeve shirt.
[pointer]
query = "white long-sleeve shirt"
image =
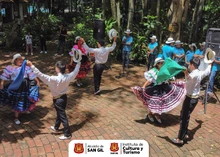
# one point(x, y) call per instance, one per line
point(59, 84)
point(194, 79)
point(101, 54)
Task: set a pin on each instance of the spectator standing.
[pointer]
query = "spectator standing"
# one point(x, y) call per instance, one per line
point(189, 54)
point(127, 43)
point(43, 36)
point(179, 53)
point(152, 52)
point(167, 49)
point(62, 38)
point(214, 71)
point(28, 39)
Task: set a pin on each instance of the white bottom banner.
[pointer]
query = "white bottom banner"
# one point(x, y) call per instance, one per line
point(108, 148)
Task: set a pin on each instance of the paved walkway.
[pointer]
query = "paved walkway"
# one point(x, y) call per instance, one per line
point(115, 114)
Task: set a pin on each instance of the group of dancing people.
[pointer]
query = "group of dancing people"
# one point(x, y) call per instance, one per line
point(20, 83)
point(21, 92)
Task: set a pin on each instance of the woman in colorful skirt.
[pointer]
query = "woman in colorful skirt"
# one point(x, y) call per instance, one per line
point(85, 63)
point(159, 98)
point(19, 87)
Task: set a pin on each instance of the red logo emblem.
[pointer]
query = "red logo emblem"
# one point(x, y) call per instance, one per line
point(114, 147)
point(78, 148)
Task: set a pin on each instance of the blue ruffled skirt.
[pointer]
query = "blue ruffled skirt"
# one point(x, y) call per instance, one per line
point(23, 99)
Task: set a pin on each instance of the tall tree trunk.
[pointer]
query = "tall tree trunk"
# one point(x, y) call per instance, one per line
point(104, 8)
point(177, 11)
point(51, 6)
point(38, 7)
point(118, 13)
point(130, 14)
point(186, 8)
point(145, 7)
point(113, 8)
point(158, 19)
point(153, 7)
point(198, 19)
point(193, 21)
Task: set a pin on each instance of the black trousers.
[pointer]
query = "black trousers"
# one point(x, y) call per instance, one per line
point(187, 108)
point(151, 59)
point(60, 106)
point(97, 73)
point(43, 44)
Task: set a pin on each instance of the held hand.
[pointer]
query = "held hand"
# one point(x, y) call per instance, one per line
point(82, 40)
point(115, 38)
point(38, 83)
point(29, 63)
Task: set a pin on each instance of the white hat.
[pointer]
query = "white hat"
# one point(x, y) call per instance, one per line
point(77, 38)
point(153, 37)
point(170, 40)
point(203, 44)
point(158, 60)
point(128, 31)
point(112, 33)
point(209, 56)
point(194, 45)
point(15, 57)
point(178, 42)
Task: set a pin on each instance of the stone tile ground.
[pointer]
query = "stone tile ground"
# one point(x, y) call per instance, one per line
point(115, 114)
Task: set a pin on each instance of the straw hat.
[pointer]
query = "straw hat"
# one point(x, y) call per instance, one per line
point(112, 33)
point(209, 56)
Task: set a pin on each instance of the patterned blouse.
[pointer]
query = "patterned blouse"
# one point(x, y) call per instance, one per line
point(151, 75)
point(10, 73)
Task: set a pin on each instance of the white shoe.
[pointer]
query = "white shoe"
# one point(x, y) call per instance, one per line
point(45, 52)
point(62, 54)
point(41, 51)
point(64, 137)
point(52, 128)
point(17, 121)
point(97, 92)
point(26, 54)
point(56, 55)
point(150, 117)
point(32, 54)
point(158, 119)
point(210, 94)
point(28, 112)
point(78, 84)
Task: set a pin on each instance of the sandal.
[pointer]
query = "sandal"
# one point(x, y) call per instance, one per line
point(177, 141)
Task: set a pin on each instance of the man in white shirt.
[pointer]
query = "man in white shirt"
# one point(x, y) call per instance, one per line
point(101, 57)
point(58, 86)
point(193, 89)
